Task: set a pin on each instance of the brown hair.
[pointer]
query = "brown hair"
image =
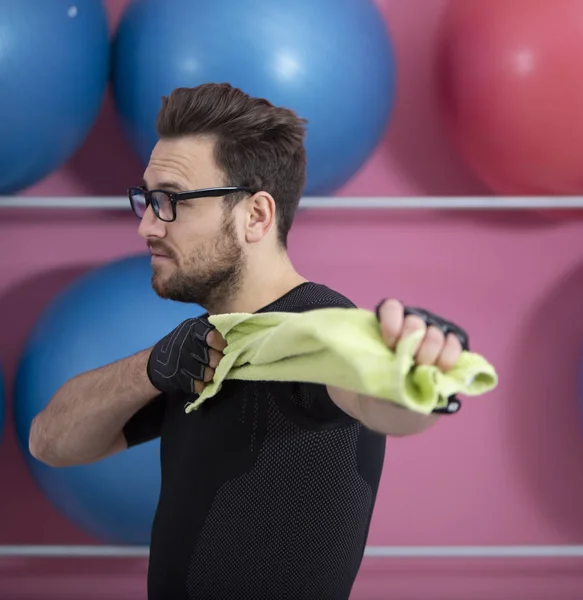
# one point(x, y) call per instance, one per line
point(258, 145)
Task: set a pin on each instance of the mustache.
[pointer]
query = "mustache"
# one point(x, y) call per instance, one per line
point(158, 248)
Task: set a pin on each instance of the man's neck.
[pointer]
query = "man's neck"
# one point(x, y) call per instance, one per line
point(260, 287)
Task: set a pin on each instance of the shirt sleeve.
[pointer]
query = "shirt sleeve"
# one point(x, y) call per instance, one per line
point(323, 408)
point(146, 424)
point(309, 405)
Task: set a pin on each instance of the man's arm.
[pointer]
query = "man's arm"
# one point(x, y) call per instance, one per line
point(84, 420)
point(89, 416)
point(381, 416)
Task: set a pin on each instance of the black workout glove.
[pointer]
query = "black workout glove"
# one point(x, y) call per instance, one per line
point(178, 360)
point(446, 327)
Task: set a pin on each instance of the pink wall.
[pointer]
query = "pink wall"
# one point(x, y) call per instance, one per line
point(507, 470)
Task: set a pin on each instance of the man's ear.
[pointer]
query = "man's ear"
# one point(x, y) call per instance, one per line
point(260, 213)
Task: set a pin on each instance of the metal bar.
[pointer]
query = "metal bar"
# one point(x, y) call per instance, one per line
point(475, 551)
point(429, 202)
point(102, 203)
point(73, 551)
point(371, 551)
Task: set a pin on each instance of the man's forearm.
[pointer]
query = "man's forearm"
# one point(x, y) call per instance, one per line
point(390, 419)
point(86, 416)
point(381, 416)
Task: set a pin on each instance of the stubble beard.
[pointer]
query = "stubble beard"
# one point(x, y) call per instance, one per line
point(210, 278)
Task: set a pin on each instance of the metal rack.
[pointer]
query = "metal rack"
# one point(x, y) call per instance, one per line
point(516, 552)
point(327, 203)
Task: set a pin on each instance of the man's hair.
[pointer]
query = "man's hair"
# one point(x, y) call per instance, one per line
point(258, 145)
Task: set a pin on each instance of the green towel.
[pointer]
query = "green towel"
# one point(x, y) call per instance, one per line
point(342, 347)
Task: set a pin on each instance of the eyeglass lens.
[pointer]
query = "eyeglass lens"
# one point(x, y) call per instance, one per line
point(161, 204)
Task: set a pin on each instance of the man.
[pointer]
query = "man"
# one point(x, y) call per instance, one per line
point(268, 489)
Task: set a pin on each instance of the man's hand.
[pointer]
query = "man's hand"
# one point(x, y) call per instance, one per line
point(442, 343)
point(185, 360)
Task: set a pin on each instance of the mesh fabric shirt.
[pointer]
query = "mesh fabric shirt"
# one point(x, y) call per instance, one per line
point(267, 489)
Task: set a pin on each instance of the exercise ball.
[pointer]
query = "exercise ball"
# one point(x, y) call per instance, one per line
point(109, 313)
point(511, 86)
point(331, 61)
point(54, 68)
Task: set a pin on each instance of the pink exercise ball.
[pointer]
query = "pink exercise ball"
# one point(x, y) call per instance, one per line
point(511, 89)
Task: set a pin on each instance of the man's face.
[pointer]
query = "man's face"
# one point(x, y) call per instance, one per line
point(198, 257)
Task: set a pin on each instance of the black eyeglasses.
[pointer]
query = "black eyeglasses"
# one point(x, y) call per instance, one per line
point(164, 203)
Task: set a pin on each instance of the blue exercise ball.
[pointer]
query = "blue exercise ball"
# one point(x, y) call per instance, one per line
point(109, 313)
point(54, 68)
point(331, 61)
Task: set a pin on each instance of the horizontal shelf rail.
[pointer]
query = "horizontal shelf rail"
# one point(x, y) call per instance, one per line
point(517, 552)
point(325, 203)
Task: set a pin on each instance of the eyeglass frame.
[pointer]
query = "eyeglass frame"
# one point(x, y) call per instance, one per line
point(176, 197)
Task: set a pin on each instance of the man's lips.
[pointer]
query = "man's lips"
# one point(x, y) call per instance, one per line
point(158, 256)
point(156, 252)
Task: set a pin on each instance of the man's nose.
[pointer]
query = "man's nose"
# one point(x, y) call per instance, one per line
point(151, 226)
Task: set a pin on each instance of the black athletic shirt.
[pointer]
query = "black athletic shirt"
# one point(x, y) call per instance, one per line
point(267, 489)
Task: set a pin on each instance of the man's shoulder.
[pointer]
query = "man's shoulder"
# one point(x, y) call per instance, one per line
point(325, 296)
point(311, 296)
